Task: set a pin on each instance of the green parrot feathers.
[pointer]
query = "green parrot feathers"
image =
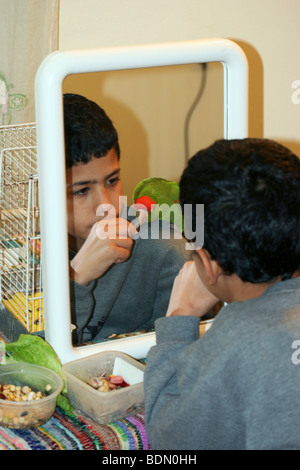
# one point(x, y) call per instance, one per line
point(159, 190)
point(153, 193)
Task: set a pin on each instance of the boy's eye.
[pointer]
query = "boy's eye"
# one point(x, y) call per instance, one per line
point(81, 192)
point(112, 181)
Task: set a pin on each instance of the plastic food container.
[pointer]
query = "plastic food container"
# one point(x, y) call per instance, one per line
point(105, 407)
point(25, 414)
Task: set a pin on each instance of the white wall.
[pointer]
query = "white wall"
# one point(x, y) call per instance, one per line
point(267, 30)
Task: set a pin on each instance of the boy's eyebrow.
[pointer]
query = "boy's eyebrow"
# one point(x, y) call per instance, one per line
point(113, 173)
point(86, 182)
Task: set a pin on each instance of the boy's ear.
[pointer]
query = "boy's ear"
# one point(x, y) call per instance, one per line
point(211, 267)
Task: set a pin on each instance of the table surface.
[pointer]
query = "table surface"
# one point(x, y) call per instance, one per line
point(76, 431)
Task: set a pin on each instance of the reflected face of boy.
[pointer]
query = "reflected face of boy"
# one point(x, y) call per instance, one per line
point(88, 186)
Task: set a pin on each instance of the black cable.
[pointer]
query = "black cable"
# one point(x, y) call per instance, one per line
point(192, 108)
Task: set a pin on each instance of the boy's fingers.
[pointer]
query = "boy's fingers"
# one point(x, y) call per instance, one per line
point(123, 243)
point(126, 229)
point(189, 295)
point(121, 254)
point(115, 229)
point(106, 210)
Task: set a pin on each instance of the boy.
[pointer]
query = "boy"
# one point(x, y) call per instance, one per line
point(237, 387)
point(119, 282)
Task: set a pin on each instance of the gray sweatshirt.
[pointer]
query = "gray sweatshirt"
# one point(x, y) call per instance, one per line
point(130, 296)
point(238, 386)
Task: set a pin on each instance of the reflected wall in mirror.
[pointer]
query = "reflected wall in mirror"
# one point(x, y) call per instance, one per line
point(163, 115)
point(156, 110)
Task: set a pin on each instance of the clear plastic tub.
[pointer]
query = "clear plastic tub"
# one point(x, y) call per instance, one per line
point(24, 414)
point(105, 407)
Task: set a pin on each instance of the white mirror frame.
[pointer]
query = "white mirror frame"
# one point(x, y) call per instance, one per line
point(51, 161)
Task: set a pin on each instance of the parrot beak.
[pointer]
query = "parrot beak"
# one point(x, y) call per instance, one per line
point(144, 202)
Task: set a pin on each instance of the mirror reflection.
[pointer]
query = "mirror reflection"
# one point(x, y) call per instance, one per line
point(122, 128)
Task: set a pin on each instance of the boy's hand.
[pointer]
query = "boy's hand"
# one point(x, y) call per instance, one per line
point(108, 243)
point(189, 296)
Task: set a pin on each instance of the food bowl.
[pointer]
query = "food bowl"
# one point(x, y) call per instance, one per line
point(34, 407)
point(102, 406)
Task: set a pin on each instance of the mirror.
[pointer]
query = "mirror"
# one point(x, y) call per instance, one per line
point(156, 63)
point(154, 111)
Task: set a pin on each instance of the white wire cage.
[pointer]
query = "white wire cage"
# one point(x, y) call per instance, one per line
point(21, 289)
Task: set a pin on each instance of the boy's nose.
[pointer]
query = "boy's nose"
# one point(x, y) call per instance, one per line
point(105, 210)
point(101, 197)
point(102, 203)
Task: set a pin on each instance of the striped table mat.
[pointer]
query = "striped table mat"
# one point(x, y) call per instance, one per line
point(78, 432)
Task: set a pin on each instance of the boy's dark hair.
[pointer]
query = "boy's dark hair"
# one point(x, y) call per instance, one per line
point(89, 132)
point(250, 189)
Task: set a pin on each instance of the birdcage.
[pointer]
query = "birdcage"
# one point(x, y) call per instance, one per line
point(20, 245)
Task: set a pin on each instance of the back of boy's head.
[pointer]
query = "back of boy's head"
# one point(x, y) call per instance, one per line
point(250, 189)
point(89, 132)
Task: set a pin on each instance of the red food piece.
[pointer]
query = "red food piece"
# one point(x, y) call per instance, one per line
point(112, 386)
point(116, 379)
point(124, 384)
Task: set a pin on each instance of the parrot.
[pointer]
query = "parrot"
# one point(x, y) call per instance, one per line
point(153, 193)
